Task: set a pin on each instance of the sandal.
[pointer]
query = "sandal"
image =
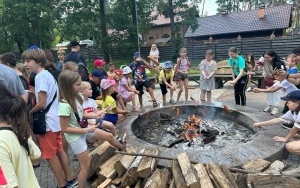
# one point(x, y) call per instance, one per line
point(154, 103)
point(136, 110)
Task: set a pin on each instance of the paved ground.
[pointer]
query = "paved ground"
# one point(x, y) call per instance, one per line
point(225, 95)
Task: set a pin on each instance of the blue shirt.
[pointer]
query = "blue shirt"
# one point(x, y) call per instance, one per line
point(292, 70)
point(139, 69)
point(237, 64)
point(73, 56)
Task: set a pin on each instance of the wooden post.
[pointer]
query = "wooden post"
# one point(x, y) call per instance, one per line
point(188, 171)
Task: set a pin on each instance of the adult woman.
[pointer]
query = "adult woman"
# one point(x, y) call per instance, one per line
point(268, 64)
point(16, 145)
point(240, 79)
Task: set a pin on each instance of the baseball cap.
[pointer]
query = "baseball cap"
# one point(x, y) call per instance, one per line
point(137, 54)
point(296, 51)
point(127, 70)
point(99, 62)
point(118, 71)
point(33, 47)
point(168, 65)
point(294, 95)
point(99, 74)
point(74, 43)
point(106, 83)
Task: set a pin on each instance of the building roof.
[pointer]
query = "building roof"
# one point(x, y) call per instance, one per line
point(277, 17)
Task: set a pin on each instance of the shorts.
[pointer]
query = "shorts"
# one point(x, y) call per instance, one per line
point(127, 96)
point(140, 86)
point(50, 144)
point(181, 76)
point(114, 95)
point(80, 145)
point(163, 87)
point(113, 118)
point(99, 122)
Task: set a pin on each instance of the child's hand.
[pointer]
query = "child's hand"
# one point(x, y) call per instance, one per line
point(126, 112)
point(91, 128)
point(233, 82)
point(279, 139)
point(136, 92)
point(256, 125)
point(256, 90)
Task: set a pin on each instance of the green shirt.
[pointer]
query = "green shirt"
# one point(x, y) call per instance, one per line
point(237, 64)
point(64, 109)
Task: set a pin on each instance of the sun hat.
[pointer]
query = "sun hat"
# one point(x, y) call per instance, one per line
point(99, 62)
point(168, 65)
point(106, 83)
point(127, 70)
point(294, 95)
point(98, 73)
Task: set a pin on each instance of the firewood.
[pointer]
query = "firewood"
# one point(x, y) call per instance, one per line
point(107, 170)
point(177, 175)
point(203, 176)
point(147, 164)
point(229, 176)
point(94, 184)
point(159, 179)
point(138, 184)
point(116, 181)
point(123, 164)
point(219, 178)
point(105, 184)
point(212, 178)
point(265, 181)
point(188, 171)
point(129, 180)
point(241, 180)
point(172, 183)
point(257, 165)
point(98, 156)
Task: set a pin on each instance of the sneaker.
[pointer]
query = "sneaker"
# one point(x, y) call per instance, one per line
point(287, 125)
point(172, 101)
point(274, 111)
point(268, 108)
point(73, 183)
point(249, 89)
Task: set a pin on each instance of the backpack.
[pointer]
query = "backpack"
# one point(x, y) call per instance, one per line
point(82, 70)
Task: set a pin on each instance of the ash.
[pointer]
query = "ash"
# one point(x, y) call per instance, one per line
point(166, 130)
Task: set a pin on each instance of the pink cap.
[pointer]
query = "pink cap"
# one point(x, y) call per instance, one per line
point(99, 62)
point(106, 83)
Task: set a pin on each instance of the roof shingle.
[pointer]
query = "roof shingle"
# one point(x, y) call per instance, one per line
point(277, 17)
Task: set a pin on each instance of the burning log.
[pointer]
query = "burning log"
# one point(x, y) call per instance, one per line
point(188, 171)
point(123, 164)
point(147, 164)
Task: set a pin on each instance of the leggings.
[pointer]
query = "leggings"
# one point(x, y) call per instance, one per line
point(239, 90)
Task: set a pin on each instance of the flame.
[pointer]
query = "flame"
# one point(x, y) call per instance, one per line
point(192, 127)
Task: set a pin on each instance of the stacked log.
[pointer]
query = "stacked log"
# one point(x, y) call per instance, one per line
point(127, 171)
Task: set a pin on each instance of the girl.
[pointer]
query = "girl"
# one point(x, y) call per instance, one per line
point(207, 80)
point(71, 66)
point(126, 91)
point(269, 65)
point(16, 145)
point(70, 112)
point(155, 54)
point(240, 80)
point(114, 114)
point(293, 103)
point(111, 71)
point(181, 70)
point(166, 78)
point(250, 66)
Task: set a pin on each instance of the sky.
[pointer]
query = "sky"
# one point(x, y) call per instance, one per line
point(210, 6)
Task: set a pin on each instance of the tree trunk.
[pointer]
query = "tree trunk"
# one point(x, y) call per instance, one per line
point(203, 8)
point(132, 6)
point(171, 14)
point(104, 41)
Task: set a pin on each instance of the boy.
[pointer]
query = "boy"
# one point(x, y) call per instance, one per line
point(95, 81)
point(140, 78)
point(166, 77)
point(99, 64)
point(46, 90)
point(61, 57)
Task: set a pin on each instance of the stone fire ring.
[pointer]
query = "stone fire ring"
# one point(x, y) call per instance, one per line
point(261, 145)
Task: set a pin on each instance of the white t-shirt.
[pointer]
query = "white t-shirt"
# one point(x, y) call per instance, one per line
point(89, 105)
point(153, 53)
point(289, 116)
point(286, 86)
point(44, 81)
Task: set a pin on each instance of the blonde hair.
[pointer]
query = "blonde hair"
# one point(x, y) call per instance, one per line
point(70, 65)
point(84, 85)
point(37, 55)
point(66, 81)
point(21, 68)
point(290, 56)
point(61, 52)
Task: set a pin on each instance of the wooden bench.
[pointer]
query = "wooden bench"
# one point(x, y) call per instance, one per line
point(220, 79)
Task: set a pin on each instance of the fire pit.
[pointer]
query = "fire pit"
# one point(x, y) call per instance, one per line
point(206, 133)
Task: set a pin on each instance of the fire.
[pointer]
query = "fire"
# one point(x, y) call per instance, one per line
point(192, 127)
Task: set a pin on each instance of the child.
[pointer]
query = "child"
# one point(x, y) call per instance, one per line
point(250, 67)
point(99, 64)
point(50, 142)
point(90, 110)
point(71, 66)
point(281, 83)
point(207, 80)
point(61, 57)
point(155, 54)
point(291, 64)
point(95, 81)
point(140, 78)
point(181, 73)
point(111, 71)
point(114, 114)
point(70, 113)
point(166, 77)
point(293, 103)
point(126, 91)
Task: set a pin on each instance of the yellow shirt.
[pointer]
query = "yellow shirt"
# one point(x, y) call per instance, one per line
point(109, 102)
point(167, 75)
point(15, 162)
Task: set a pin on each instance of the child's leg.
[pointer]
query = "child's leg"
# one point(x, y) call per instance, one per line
point(120, 101)
point(65, 143)
point(208, 95)
point(102, 135)
point(133, 100)
point(186, 89)
point(180, 89)
point(293, 147)
point(164, 98)
point(84, 163)
point(63, 159)
point(108, 125)
point(171, 93)
point(202, 95)
point(141, 100)
point(150, 90)
point(121, 118)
